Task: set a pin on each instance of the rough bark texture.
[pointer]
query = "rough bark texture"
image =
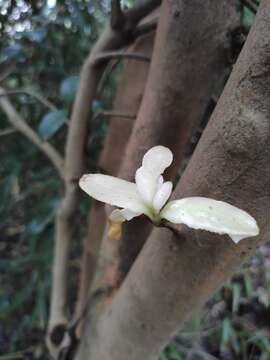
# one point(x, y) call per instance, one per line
point(189, 58)
point(232, 163)
point(127, 101)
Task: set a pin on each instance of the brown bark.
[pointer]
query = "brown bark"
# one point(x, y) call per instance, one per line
point(127, 101)
point(189, 58)
point(173, 277)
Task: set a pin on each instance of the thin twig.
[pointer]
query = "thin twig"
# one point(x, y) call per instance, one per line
point(142, 29)
point(7, 132)
point(6, 69)
point(146, 27)
point(19, 124)
point(36, 96)
point(105, 76)
point(120, 55)
point(112, 114)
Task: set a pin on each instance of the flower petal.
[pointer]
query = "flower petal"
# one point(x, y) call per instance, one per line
point(113, 191)
point(119, 216)
point(162, 195)
point(160, 182)
point(157, 159)
point(147, 178)
point(212, 215)
point(146, 185)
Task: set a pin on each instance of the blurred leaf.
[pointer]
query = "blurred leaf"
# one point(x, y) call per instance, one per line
point(51, 123)
point(68, 88)
point(235, 343)
point(14, 50)
point(262, 341)
point(247, 18)
point(248, 285)
point(264, 356)
point(36, 35)
point(172, 353)
point(14, 266)
point(229, 337)
point(263, 296)
point(236, 294)
point(12, 356)
point(97, 105)
point(36, 227)
point(41, 308)
point(227, 333)
point(21, 296)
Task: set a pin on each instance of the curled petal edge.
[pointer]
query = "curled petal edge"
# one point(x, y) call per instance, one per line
point(211, 215)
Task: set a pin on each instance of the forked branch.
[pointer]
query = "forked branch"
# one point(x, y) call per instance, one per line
point(20, 124)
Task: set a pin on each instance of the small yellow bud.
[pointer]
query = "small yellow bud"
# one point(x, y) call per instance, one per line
point(115, 231)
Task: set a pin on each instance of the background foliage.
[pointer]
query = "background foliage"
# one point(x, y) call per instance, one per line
point(43, 44)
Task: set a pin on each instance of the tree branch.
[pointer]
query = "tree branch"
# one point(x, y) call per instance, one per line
point(127, 98)
point(111, 66)
point(141, 9)
point(146, 27)
point(120, 55)
point(74, 161)
point(117, 16)
point(19, 124)
point(159, 121)
point(110, 114)
point(5, 132)
point(36, 96)
point(230, 163)
point(6, 68)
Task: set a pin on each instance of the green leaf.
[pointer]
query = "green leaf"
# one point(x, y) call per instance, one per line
point(36, 35)
point(227, 333)
point(51, 123)
point(68, 88)
point(248, 285)
point(247, 18)
point(262, 341)
point(14, 50)
point(172, 353)
point(236, 292)
point(97, 105)
point(12, 356)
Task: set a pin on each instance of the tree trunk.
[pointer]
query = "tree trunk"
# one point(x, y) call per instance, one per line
point(173, 277)
point(127, 101)
point(177, 92)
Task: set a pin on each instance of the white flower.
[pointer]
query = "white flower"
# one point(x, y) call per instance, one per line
point(149, 196)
